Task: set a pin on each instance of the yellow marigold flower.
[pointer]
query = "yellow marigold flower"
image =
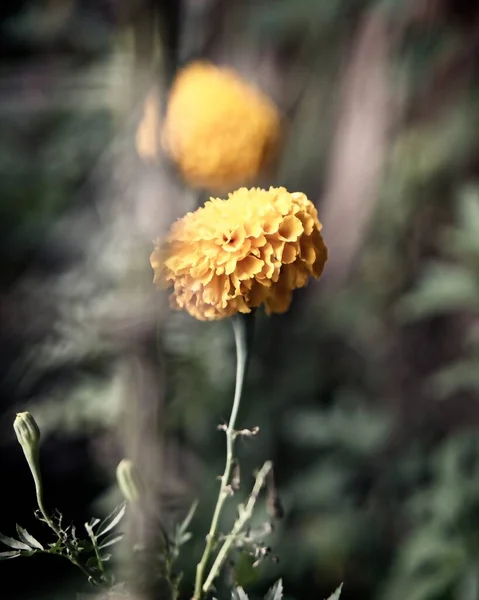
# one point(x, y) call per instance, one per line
point(230, 256)
point(220, 130)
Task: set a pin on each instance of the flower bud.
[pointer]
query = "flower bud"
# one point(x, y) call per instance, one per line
point(27, 432)
point(129, 481)
point(28, 436)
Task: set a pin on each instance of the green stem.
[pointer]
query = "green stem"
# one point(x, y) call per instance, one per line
point(241, 341)
point(32, 461)
point(245, 514)
point(99, 561)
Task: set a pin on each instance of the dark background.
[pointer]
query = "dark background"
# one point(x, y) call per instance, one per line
point(365, 392)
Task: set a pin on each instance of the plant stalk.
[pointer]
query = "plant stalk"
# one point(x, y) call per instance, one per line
point(245, 514)
point(32, 463)
point(241, 341)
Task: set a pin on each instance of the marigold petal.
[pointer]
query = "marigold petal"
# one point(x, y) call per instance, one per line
point(290, 229)
point(290, 252)
point(248, 267)
point(279, 301)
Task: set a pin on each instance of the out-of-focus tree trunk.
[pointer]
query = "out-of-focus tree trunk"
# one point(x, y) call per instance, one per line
point(364, 120)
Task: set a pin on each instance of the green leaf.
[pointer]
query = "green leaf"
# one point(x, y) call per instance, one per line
point(353, 428)
point(469, 209)
point(185, 538)
point(55, 547)
point(458, 377)
point(8, 541)
point(111, 539)
point(93, 523)
point(245, 574)
point(284, 18)
point(239, 594)
point(28, 538)
point(337, 593)
point(187, 520)
point(319, 486)
point(427, 587)
point(468, 585)
point(462, 241)
point(10, 554)
point(427, 549)
point(112, 520)
point(275, 592)
point(443, 289)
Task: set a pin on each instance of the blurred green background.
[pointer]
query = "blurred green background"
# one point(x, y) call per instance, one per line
point(365, 392)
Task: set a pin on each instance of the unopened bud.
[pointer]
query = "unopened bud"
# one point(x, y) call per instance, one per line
point(129, 481)
point(27, 432)
point(28, 436)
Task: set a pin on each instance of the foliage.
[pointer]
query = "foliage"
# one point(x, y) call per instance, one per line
point(86, 553)
point(439, 555)
point(449, 285)
point(160, 564)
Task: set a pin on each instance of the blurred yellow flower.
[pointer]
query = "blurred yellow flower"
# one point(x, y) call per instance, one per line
point(230, 256)
point(219, 129)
